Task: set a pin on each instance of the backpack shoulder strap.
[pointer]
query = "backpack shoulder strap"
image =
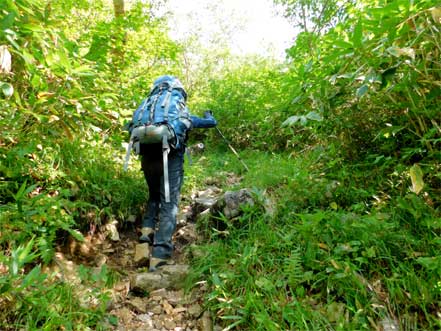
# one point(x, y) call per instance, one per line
point(143, 108)
point(166, 103)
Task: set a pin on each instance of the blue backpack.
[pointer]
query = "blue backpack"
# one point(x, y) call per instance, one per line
point(162, 117)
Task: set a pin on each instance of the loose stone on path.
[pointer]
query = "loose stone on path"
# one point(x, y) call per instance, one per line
point(168, 277)
point(142, 252)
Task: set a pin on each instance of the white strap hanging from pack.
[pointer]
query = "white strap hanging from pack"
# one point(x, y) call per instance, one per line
point(165, 151)
point(127, 159)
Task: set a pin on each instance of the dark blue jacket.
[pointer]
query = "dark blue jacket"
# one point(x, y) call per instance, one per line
point(208, 121)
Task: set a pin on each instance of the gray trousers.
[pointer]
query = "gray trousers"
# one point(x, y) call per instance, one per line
point(161, 215)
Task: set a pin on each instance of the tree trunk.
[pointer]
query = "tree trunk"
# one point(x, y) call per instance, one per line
point(119, 37)
point(119, 8)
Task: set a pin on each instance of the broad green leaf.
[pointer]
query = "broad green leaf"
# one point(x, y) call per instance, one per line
point(416, 175)
point(430, 263)
point(312, 115)
point(84, 71)
point(294, 119)
point(33, 28)
point(362, 90)
point(11, 36)
point(7, 89)
point(343, 44)
point(113, 320)
point(291, 120)
point(264, 283)
point(333, 79)
point(75, 234)
point(4, 285)
point(26, 6)
point(297, 99)
point(7, 21)
point(373, 77)
point(28, 57)
point(216, 280)
point(64, 60)
point(35, 275)
point(36, 80)
point(20, 192)
point(22, 255)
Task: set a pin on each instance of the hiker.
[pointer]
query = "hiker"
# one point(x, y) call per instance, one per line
point(162, 160)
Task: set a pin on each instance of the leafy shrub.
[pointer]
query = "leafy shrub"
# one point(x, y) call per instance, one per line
point(336, 266)
point(247, 99)
point(37, 301)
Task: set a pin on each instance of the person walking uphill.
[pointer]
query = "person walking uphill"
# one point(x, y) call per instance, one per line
point(158, 133)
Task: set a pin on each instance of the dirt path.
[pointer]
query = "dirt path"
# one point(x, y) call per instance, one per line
point(132, 308)
point(161, 309)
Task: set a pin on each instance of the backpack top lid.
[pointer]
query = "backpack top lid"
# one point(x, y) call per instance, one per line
point(169, 80)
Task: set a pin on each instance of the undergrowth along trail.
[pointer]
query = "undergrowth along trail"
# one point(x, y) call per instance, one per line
point(342, 139)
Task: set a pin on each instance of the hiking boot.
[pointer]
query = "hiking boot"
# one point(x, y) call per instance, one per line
point(147, 235)
point(156, 262)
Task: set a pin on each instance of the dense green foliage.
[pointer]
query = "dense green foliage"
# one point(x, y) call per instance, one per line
point(356, 238)
point(318, 265)
point(343, 140)
point(67, 84)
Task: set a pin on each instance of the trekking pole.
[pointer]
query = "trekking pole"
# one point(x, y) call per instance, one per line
point(231, 147)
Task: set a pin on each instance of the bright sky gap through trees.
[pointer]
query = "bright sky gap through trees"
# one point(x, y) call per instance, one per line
point(248, 26)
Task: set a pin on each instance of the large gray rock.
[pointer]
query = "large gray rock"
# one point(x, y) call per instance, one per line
point(168, 277)
point(206, 199)
point(230, 205)
point(235, 200)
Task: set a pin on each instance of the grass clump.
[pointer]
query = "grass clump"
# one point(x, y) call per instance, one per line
point(328, 259)
point(33, 299)
point(51, 190)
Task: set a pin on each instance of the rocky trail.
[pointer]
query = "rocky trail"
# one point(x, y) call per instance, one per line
point(142, 300)
point(145, 300)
